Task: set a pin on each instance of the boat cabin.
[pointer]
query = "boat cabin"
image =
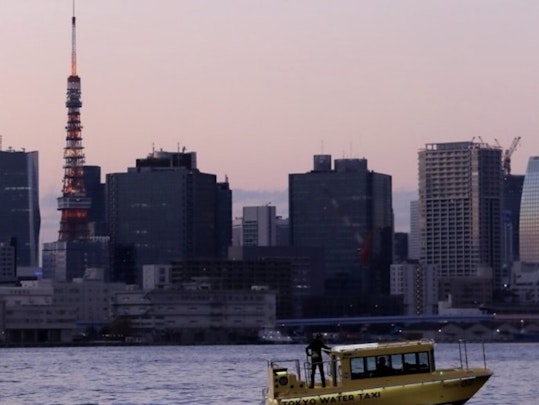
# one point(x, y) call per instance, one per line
point(352, 365)
point(371, 360)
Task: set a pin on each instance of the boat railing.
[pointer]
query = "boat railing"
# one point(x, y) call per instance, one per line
point(463, 354)
point(330, 369)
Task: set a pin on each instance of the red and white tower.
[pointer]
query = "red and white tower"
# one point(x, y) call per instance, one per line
point(73, 203)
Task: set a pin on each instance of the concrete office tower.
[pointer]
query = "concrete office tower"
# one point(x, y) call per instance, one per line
point(259, 226)
point(417, 284)
point(7, 263)
point(165, 209)
point(20, 218)
point(415, 234)
point(347, 213)
point(460, 197)
point(529, 214)
point(95, 190)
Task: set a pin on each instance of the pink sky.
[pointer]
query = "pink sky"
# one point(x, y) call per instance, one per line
point(258, 87)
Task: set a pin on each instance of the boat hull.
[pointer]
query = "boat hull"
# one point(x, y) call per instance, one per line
point(445, 390)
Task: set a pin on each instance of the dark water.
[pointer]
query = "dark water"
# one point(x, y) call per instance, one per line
point(215, 375)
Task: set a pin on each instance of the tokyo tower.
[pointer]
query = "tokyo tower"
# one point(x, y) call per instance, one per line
point(73, 204)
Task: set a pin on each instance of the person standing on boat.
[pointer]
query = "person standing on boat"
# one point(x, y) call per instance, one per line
point(314, 350)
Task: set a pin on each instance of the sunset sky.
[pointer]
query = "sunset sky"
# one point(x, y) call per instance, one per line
point(257, 88)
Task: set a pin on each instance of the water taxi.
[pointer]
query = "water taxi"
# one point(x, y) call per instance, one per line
point(354, 376)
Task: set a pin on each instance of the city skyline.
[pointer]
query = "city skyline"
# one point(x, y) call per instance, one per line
point(263, 86)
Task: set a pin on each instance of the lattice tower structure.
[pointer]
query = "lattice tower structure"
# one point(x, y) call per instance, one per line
point(73, 204)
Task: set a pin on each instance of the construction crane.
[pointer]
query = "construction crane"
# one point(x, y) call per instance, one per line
point(507, 156)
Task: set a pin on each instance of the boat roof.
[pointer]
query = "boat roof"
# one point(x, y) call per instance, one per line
point(380, 345)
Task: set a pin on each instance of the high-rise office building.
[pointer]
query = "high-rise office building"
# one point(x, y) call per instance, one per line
point(400, 247)
point(20, 218)
point(415, 234)
point(529, 214)
point(7, 263)
point(165, 209)
point(95, 190)
point(259, 226)
point(512, 193)
point(460, 197)
point(347, 213)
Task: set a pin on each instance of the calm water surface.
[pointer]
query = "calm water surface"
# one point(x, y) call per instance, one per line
point(214, 375)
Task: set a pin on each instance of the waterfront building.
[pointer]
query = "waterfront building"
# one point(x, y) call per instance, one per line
point(460, 202)
point(347, 213)
point(165, 209)
point(20, 218)
point(90, 297)
point(29, 315)
point(193, 315)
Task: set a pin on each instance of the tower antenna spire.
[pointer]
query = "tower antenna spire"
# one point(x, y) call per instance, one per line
point(73, 43)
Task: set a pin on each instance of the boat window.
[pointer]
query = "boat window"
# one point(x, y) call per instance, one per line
point(357, 366)
point(410, 362)
point(376, 366)
point(370, 365)
point(396, 363)
point(423, 361)
point(416, 362)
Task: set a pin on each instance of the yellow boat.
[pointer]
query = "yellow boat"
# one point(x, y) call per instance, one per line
point(354, 376)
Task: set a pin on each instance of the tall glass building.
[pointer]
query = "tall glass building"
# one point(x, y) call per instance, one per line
point(165, 209)
point(529, 214)
point(20, 218)
point(347, 213)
